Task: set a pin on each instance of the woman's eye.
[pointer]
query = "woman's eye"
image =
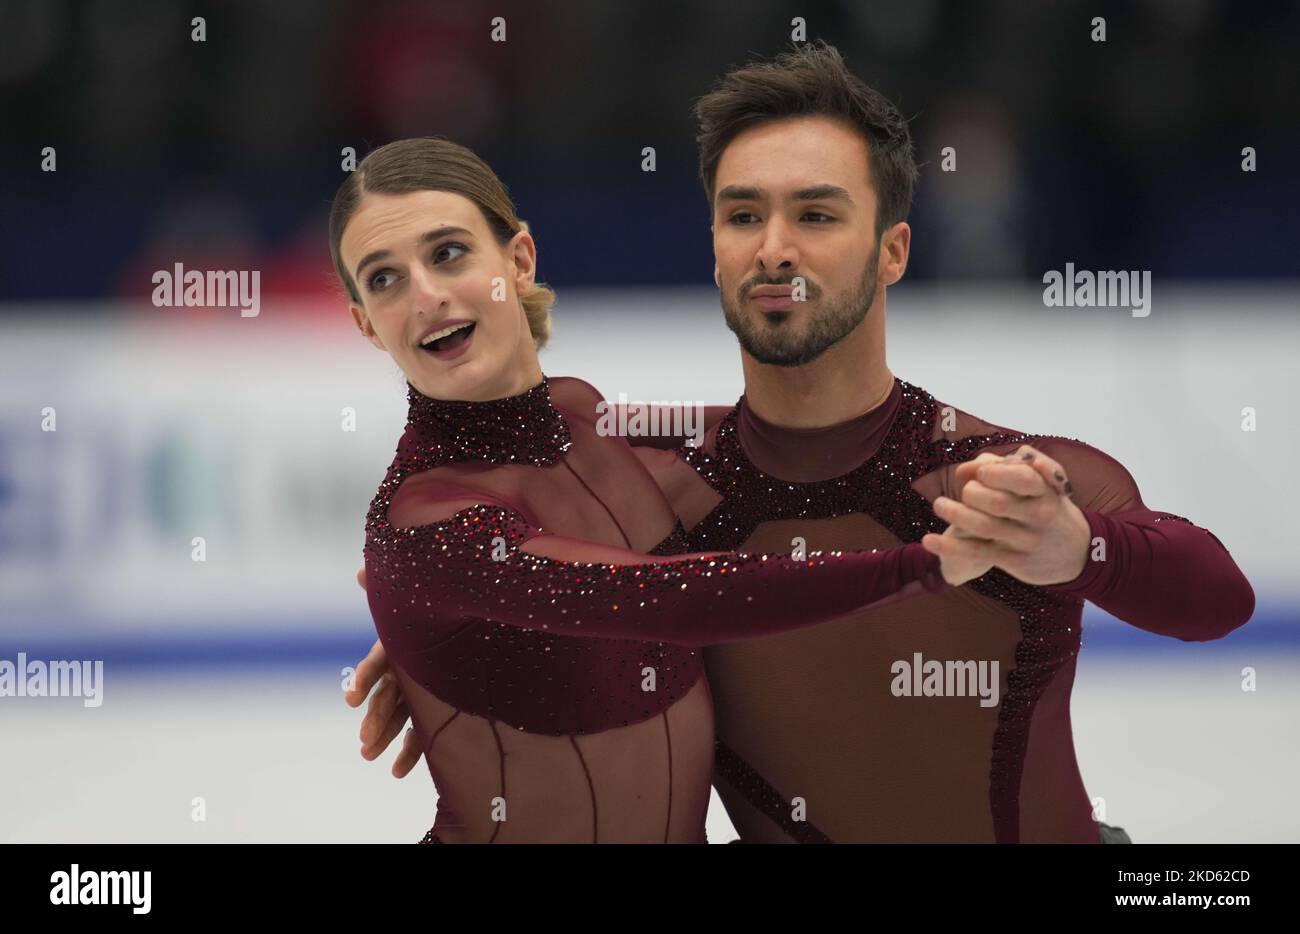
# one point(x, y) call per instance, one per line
point(440, 255)
point(374, 284)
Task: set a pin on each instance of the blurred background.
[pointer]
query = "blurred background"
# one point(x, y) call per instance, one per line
point(222, 677)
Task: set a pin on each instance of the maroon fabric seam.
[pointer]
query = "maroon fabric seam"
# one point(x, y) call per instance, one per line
point(501, 757)
point(627, 543)
point(759, 792)
point(591, 788)
point(668, 739)
point(432, 739)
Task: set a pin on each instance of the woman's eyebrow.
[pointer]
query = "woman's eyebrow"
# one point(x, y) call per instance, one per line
point(377, 255)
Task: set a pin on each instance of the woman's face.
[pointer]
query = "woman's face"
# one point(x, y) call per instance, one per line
point(426, 264)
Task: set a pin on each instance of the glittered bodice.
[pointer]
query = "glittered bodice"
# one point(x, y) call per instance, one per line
point(1031, 633)
point(519, 574)
point(947, 718)
point(507, 457)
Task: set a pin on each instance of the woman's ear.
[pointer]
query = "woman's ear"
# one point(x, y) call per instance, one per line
point(524, 256)
point(363, 324)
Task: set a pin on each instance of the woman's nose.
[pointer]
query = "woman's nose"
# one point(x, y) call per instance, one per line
point(428, 295)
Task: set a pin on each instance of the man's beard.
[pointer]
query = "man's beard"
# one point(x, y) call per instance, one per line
point(829, 322)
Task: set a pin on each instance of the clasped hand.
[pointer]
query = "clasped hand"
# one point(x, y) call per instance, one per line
point(1015, 514)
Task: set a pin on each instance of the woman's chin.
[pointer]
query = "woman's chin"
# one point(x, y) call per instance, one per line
point(469, 379)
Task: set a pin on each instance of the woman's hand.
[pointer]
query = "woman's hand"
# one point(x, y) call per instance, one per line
point(961, 558)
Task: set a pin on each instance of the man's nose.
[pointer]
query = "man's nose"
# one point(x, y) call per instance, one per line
point(777, 253)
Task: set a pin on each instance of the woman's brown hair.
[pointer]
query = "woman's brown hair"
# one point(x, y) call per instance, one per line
point(431, 163)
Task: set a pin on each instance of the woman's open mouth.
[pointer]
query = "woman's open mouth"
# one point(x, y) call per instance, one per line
point(450, 341)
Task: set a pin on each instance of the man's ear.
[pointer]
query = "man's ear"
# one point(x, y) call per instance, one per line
point(524, 256)
point(717, 279)
point(363, 324)
point(895, 247)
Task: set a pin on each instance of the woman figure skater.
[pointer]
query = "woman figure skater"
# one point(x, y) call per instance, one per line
point(517, 562)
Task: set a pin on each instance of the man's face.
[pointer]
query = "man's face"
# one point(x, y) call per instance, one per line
point(793, 199)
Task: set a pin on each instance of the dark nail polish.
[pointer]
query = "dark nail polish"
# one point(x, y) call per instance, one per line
point(1058, 476)
point(1027, 457)
point(1069, 488)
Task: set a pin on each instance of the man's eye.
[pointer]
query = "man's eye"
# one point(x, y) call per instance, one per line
point(736, 218)
point(373, 283)
point(440, 256)
point(825, 217)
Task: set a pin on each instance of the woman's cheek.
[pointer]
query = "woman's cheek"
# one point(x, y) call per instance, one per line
point(473, 297)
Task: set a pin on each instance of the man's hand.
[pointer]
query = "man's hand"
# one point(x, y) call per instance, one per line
point(1016, 513)
point(387, 713)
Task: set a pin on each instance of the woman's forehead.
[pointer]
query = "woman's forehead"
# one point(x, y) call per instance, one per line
point(407, 216)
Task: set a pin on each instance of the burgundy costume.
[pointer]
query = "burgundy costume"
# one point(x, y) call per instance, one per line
point(549, 662)
point(809, 716)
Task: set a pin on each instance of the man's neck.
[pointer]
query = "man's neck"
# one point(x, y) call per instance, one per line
point(848, 380)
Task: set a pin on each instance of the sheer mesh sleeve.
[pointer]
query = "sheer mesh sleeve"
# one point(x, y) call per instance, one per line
point(1151, 569)
point(1154, 570)
point(488, 561)
point(648, 425)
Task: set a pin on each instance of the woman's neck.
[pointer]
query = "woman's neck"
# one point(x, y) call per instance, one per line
point(524, 428)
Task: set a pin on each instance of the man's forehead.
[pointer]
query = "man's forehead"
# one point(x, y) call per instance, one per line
point(790, 155)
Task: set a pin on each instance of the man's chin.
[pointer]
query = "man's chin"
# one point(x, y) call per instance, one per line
point(783, 354)
point(768, 339)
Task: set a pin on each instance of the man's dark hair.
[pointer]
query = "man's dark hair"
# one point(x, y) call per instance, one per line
point(810, 80)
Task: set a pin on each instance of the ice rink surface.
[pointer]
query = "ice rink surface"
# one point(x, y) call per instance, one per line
point(1177, 750)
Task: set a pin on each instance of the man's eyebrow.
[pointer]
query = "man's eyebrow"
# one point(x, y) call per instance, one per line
point(742, 193)
point(376, 255)
point(825, 192)
point(822, 193)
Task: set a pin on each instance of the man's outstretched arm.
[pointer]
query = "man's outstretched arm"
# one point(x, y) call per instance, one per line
point(1151, 569)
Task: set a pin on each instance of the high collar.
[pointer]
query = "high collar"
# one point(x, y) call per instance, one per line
point(808, 455)
point(522, 429)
